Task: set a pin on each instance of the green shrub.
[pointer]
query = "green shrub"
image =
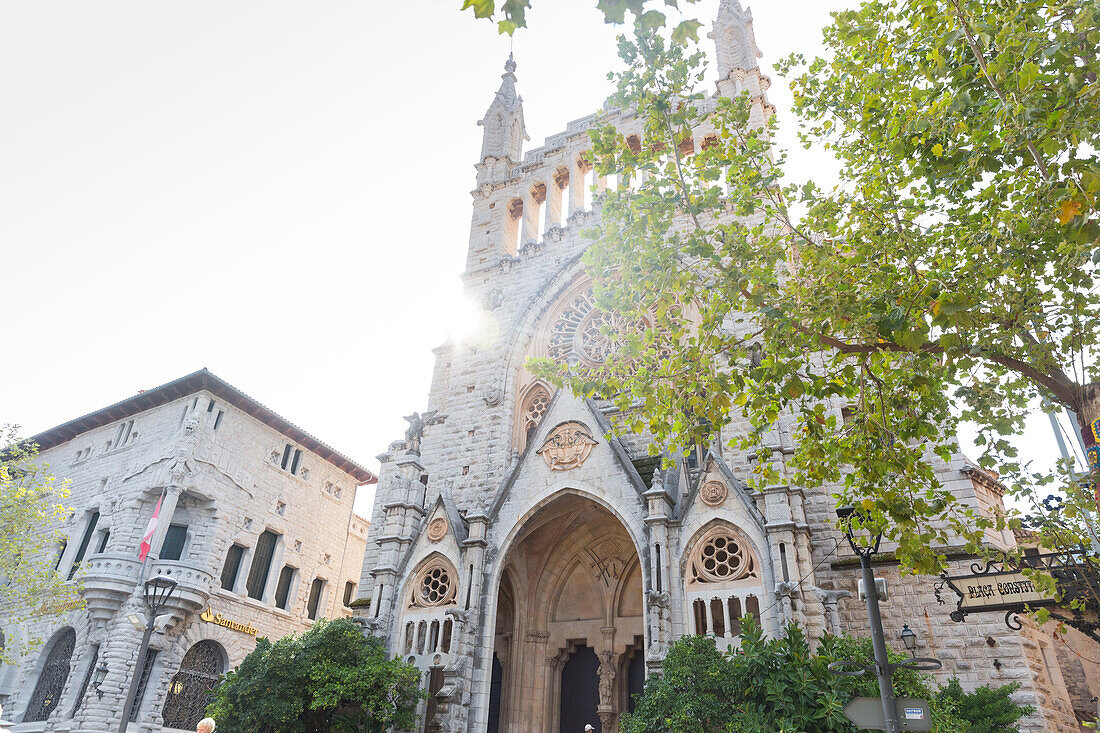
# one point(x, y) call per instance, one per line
point(779, 686)
point(331, 678)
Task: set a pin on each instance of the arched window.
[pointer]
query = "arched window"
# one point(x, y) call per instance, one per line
point(52, 678)
point(723, 582)
point(531, 412)
point(189, 691)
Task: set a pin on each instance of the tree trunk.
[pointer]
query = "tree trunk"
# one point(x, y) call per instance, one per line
point(1088, 414)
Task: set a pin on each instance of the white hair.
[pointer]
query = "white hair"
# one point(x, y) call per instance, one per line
point(206, 724)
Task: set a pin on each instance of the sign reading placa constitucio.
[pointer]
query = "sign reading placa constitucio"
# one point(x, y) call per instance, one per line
point(983, 591)
point(210, 617)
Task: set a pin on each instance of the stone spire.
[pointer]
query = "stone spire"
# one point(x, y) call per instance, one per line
point(734, 40)
point(503, 122)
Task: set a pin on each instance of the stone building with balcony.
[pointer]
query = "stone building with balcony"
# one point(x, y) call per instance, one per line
point(256, 526)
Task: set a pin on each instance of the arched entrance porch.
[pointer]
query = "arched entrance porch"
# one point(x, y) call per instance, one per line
point(569, 623)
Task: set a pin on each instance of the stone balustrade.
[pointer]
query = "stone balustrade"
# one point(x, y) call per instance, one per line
point(192, 591)
point(107, 579)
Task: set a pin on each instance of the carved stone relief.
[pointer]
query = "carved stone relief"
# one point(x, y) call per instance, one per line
point(437, 529)
point(568, 446)
point(713, 493)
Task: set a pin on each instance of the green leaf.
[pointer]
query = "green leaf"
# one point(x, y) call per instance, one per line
point(686, 30)
point(482, 8)
point(652, 19)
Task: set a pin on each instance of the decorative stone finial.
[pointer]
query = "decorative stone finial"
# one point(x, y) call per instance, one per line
point(510, 64)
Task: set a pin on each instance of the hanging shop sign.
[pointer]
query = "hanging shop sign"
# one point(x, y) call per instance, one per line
point(1004, 585)
point(211, 617)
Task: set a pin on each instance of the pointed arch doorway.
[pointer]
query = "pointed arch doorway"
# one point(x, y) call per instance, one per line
point(569, 621)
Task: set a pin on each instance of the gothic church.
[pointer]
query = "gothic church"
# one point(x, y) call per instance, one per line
point(536, 564)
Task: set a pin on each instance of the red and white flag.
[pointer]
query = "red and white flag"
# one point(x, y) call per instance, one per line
point(147, 538)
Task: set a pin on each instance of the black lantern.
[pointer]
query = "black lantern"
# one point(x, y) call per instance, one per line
point(157, 592)
point(98, 676)
point(909, 638)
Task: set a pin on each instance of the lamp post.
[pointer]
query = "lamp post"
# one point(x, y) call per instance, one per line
point(878, 639)
point(157, 592)
point(882, 667)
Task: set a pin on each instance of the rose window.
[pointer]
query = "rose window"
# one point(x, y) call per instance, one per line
point(435, 586)
point(579, 328)
point(721, 557)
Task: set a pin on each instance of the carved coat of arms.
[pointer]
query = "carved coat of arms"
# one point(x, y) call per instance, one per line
point(567, 447)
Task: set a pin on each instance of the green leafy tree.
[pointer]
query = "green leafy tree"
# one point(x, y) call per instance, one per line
point(331, 678)
point(949, 275)
point(780, 686)
point(32, 511)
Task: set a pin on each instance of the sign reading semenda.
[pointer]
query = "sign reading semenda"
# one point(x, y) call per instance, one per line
point(210, 617)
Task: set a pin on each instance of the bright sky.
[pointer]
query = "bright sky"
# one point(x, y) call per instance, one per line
point(276, 190)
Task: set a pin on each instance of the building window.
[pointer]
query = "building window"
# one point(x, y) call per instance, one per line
point(699, 609)
point(89, 530)
point(124, 434)
point(534, 406)
point(261, 564)
point(314, 598)
point(721, 557)
point(189, 691)
point(232, 567)
point(349, 593)
point(87, 679)
point(445, 645)
point(104, 538)
point(174, 540)
point(52, 679)
point(434, 586)
point(292, 457)
point(60, 555)
point(143, 682)
point(282, 589)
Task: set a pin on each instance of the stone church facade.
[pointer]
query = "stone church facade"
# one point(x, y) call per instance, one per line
point(534, 561)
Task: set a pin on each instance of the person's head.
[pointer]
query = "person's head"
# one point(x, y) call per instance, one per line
point(206, 725)
point(589, 727)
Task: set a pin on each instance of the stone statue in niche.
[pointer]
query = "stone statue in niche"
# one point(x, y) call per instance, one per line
point(568, 446)
point(415, 432)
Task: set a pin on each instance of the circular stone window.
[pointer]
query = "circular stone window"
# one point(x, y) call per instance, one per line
point(435, 587)
point(721, 557)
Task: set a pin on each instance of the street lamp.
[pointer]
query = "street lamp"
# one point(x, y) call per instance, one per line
point(909, 638)
point(157, 593)
point(98, 676)
point(882, 667)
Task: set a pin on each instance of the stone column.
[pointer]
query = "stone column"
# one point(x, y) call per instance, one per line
point(609, 717)
point(555, 182)
point(578, 169)
point(532, 205)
